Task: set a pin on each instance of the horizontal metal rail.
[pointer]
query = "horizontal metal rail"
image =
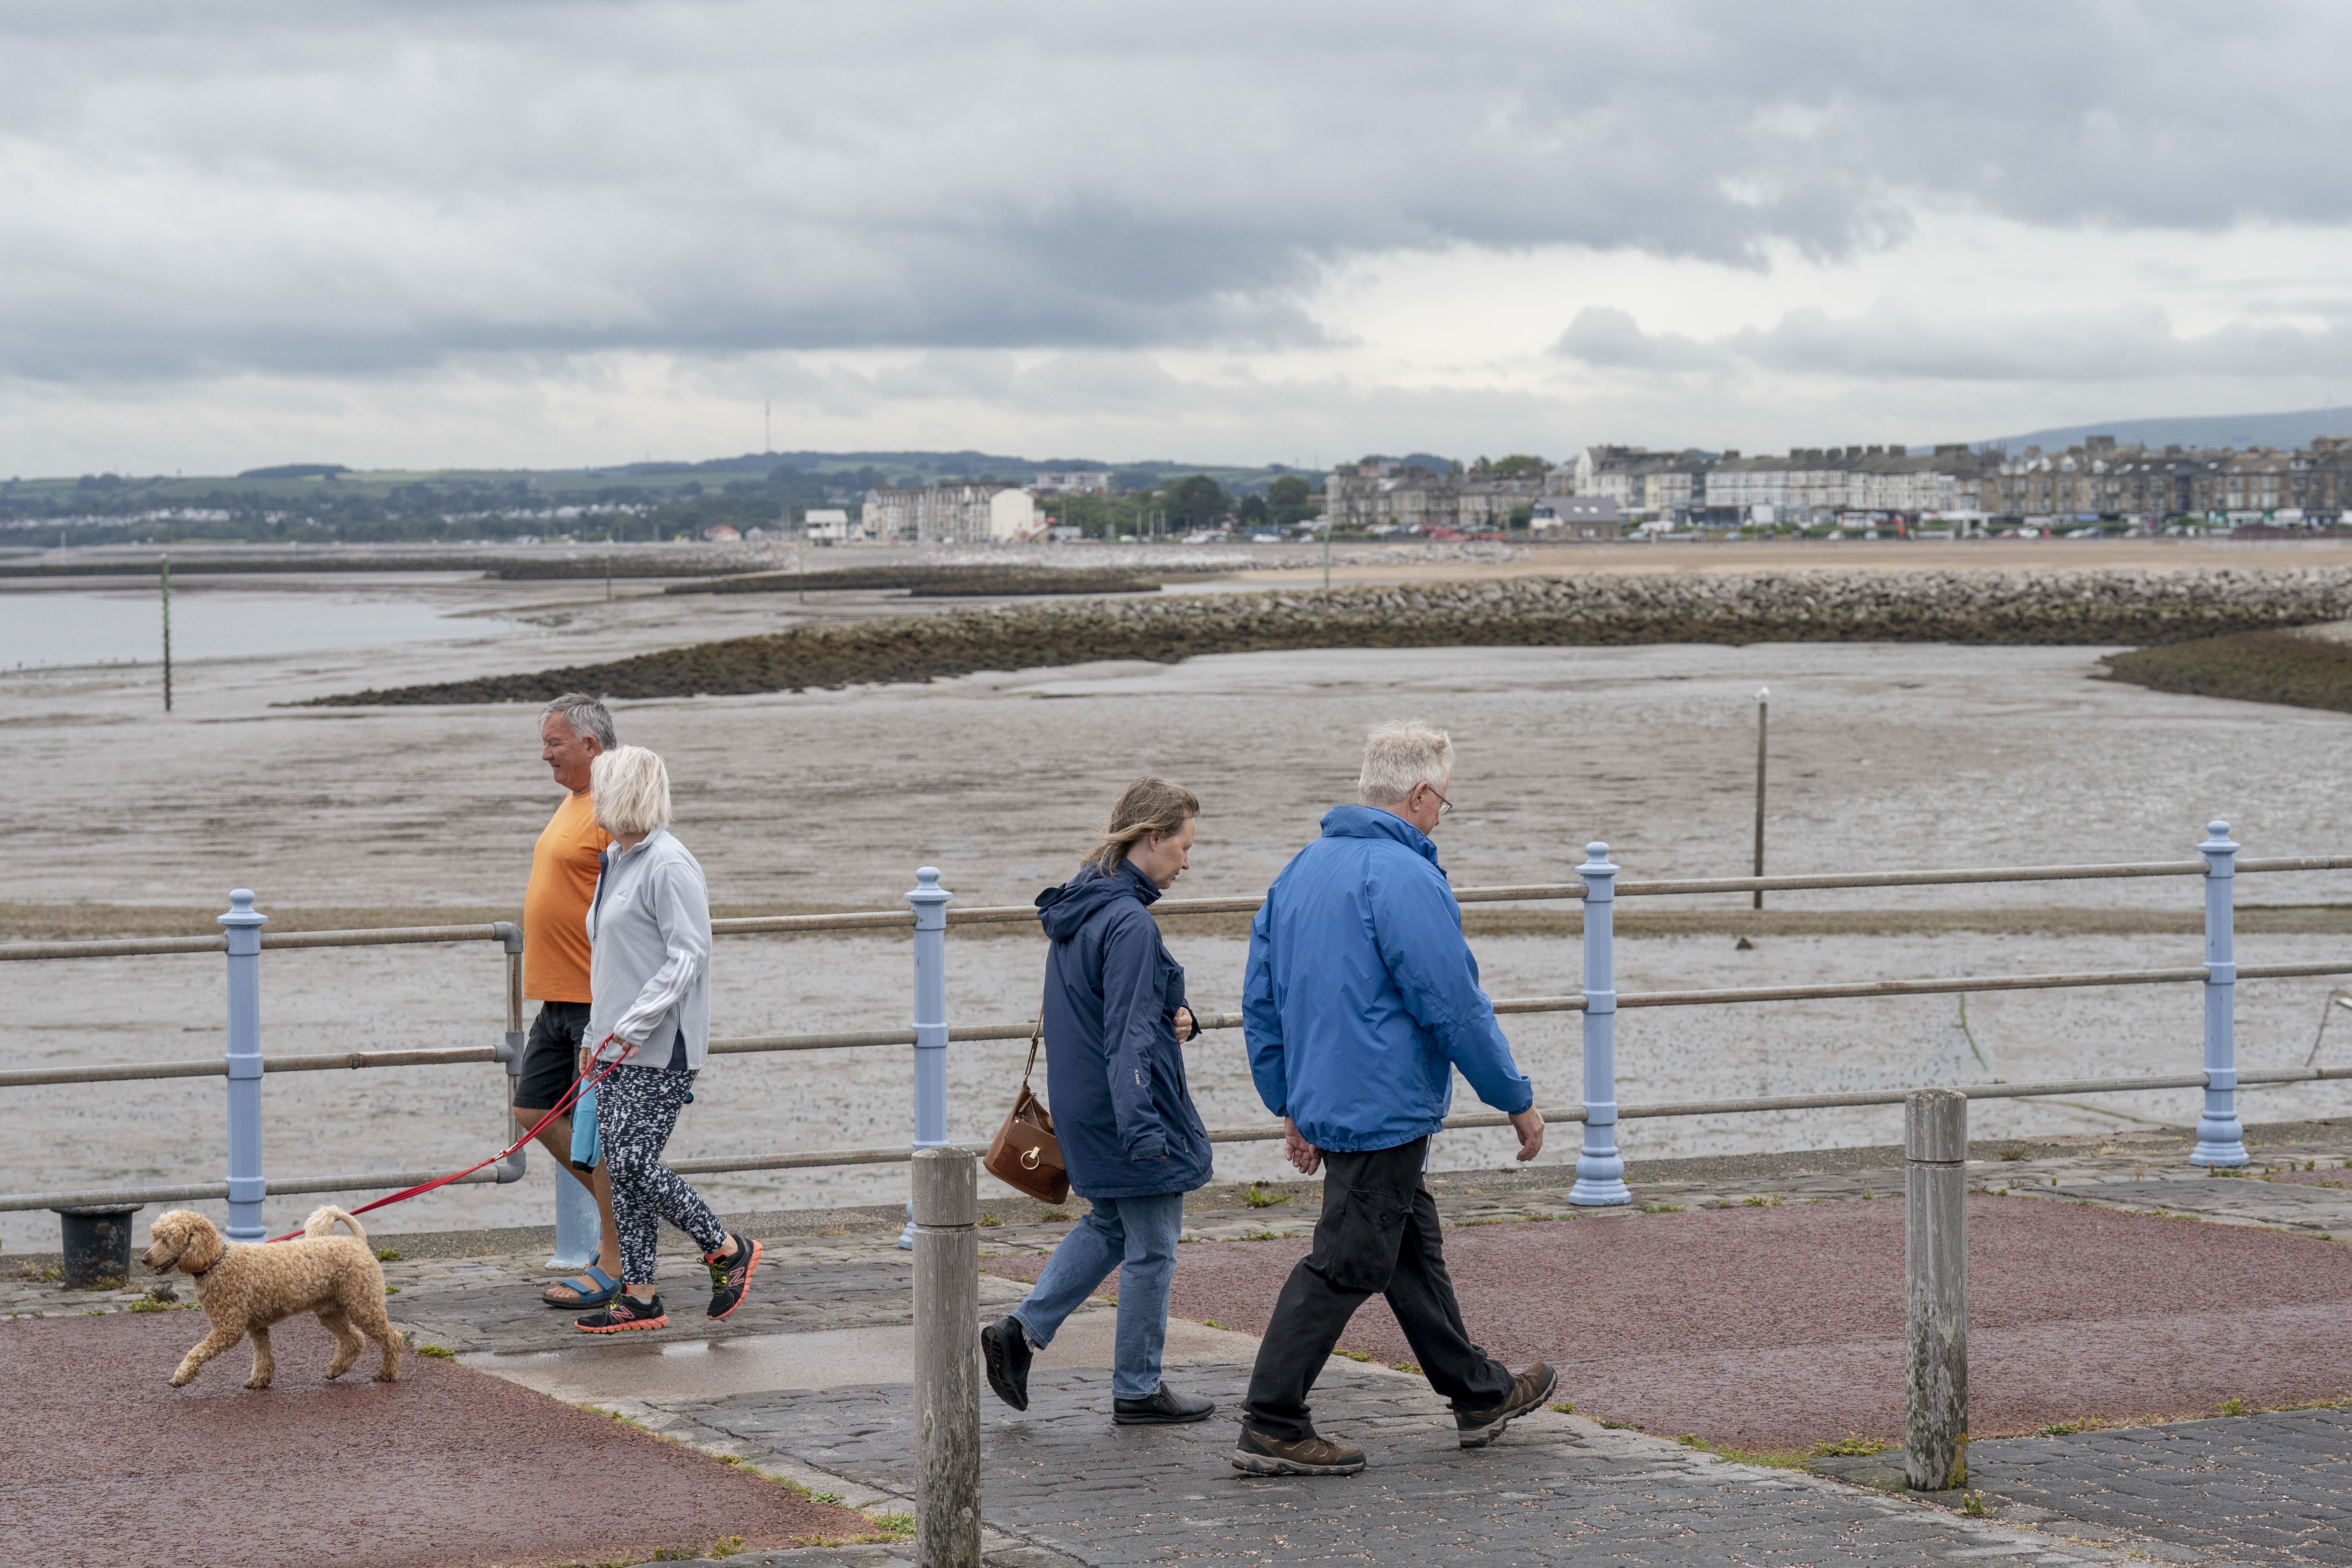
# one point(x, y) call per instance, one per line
point(902, 919)
point(855, 1039)
point(805, 1158)
point(391, 1181)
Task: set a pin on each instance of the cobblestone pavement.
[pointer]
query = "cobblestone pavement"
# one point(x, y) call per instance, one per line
point(2269, 1488)
point(1064, 1482)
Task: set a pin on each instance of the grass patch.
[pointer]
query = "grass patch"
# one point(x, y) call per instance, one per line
point(1257, 1197)
point(2279, 667)
point(1351, 1355)
point(443, 1353)
point(1566, 1407)
point(2233, 1406)
point(164, 1306)
point(388, 1255)
point(901, 1525)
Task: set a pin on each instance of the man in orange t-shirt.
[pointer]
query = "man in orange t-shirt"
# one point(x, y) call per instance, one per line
point(573, 731)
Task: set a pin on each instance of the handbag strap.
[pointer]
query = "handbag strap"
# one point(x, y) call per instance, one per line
point(1034, 1036)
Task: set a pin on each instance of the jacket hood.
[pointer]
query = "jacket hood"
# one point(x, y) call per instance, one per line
point(1064, 909)
point(1372, 822)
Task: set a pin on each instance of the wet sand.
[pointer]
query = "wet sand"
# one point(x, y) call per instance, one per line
point(1883, 756)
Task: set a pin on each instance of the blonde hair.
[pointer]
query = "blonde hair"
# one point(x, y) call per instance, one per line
point(1149, 805)
point(1401, 755)
point(630, 789)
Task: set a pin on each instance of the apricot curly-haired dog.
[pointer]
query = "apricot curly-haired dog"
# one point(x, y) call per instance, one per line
point(244, 1287)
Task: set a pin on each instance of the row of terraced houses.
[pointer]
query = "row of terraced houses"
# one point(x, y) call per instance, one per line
point(2101, 480)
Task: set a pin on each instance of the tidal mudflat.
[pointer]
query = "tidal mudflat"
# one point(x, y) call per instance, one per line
point(1883, 757)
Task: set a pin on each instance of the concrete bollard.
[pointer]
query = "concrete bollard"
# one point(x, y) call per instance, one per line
point(2221, 1136)
point(929, 901)
point(1936, 1288)
point(947, 1358)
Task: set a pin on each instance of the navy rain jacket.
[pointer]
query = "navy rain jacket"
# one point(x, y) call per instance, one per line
point(1361, 996)
point(1116, 1073)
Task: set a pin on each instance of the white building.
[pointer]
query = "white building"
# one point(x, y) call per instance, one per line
point(963, 513)
point(1074, 482)
point(830, 525)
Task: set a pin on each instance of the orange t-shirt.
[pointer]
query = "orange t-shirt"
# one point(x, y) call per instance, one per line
point(555, 904)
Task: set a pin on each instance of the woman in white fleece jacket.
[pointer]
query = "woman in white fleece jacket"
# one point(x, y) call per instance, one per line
point(649, 984)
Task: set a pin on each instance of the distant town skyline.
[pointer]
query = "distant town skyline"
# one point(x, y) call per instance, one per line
point(447, 236)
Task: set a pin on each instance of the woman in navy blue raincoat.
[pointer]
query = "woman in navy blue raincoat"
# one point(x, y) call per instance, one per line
point(1115, 1019)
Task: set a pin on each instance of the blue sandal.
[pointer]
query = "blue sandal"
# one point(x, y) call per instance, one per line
point(606, 1289)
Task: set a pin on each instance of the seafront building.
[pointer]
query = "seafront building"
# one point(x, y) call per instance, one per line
point(2099, 482)
point(972, 512)
point(1376, 492)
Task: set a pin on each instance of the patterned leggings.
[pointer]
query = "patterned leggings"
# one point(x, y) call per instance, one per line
point(636, 1108)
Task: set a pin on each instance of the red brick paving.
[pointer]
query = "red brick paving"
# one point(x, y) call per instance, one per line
point(1777, 1327)
point(448, 1467)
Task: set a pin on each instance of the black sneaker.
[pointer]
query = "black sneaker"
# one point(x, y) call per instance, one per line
point(625, 1313)
point(1259, 1455)
point(731, 1274)
point(1165, 1407)
point(1005, 1347)
point(1476, 1428)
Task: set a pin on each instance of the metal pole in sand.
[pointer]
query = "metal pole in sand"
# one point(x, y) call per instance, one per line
point(947, 1360)
point(1763, 708)
point(2220, 1137)
point(1600, 1170)
point(930, 1020)
point(167, 633)
point(1936, 1289)
point(246, 1187)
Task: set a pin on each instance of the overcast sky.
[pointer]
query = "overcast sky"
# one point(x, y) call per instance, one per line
point(424, 234)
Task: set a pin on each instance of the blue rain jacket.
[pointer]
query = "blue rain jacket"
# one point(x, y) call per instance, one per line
point(1363, 997)
point(1115, 1073)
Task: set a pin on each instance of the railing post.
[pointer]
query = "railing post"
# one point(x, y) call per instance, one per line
point(1936, 1288)
point(947, 1359)
point(1600, 1171)
point(2220, 1138)
point(246, 1187)
point(930, 904)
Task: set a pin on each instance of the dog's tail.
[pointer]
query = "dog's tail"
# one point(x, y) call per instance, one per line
point(323, 1220)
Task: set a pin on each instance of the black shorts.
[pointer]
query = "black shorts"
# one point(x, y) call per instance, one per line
point(551, 1058)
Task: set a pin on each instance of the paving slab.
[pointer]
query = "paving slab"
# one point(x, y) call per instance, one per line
point(1062, 1481)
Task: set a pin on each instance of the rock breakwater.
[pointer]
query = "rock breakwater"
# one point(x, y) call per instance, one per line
point(2046, 607)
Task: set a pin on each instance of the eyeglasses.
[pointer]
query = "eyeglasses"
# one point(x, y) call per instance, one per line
point(1444, 805)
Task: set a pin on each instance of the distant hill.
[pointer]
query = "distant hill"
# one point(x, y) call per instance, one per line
point(2239, 430)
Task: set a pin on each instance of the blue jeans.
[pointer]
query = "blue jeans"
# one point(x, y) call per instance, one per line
point(1138, 1236)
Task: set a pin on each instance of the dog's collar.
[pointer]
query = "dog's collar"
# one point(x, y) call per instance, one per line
point(200, 1273)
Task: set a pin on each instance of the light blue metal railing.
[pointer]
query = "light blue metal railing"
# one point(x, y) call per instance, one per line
point(1600, 1166)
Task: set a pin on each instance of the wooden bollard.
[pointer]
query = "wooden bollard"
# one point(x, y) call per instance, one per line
point(947, 1358)
point(1936, 1288)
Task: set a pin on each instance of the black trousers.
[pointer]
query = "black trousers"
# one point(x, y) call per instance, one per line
point(1378, 1237)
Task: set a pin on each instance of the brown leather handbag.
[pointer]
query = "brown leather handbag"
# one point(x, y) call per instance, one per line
point(1026, 1155)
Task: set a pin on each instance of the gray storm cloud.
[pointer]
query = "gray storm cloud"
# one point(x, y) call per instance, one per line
point(346, 189)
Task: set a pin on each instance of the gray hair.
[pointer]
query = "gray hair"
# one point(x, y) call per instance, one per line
point(1401, 755)
point(630, 788)
point(586, 716)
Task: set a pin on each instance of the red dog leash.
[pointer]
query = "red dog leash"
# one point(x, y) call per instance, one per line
point(570, 1097)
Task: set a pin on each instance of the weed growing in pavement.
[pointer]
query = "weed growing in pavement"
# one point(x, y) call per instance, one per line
point(1467, 1224)
point(1662, 1208)
point(989, 1222)
point(392, 1289)
point(1772, 1458)
point(1351, 1355)
point(725, 1546)
point(1412, 1366)
point(1566, 1407)
point(2014, 1154)
point(1620, 1426)
point(2233, 1406)
point(1973, 1505)
point(189, 1306)
point(2068, 1428)
point(1762, 1201)
point(388, 1255)
point(439, 1352)
point(831, 1497)
point(729, 1458)
point(1212, 1323)
point(1849, 1446)
point(899, 1524)
point(613, 1416)
point(1056, 1215)
point(1257, 1197)
point(1259, 1236)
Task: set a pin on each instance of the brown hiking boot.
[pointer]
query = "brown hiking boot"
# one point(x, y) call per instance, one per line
point(1259, 1455)
point(1476, 1428)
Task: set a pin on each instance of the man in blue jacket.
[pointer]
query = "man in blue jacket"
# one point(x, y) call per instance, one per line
point(1361, 1000)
